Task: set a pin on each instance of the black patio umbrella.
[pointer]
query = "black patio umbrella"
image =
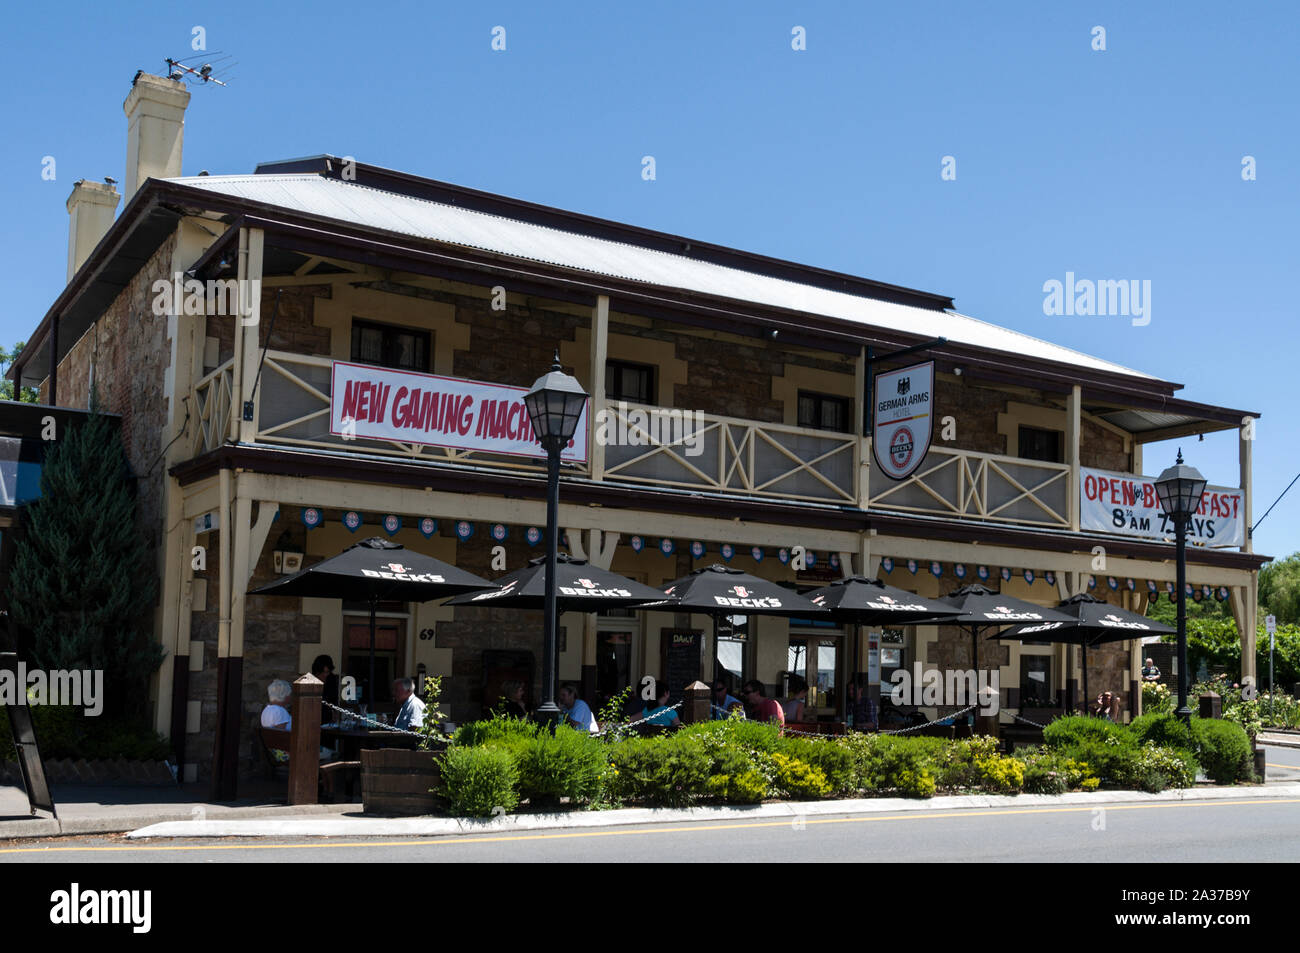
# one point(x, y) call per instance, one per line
point(873, 602)
point(984, 608)
point(720, 591)
point(579, 587)
point(372, 571)
point(1092, 622)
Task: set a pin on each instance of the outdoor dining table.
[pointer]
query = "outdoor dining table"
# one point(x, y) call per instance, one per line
point(351, 741)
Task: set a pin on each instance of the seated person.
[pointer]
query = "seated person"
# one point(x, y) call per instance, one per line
point(794, 705)
point(323, 668)
point(575, 712)
point(1107, 707)
point(658, 712)
point(411, 715)
point(762, 708)
point(511, 702)
point(862, 710)
point(275, 715)
point(1150, 671)
point(723, 703)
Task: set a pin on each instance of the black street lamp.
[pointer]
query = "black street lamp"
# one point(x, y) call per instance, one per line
point(1180, 488)
point(554, 404)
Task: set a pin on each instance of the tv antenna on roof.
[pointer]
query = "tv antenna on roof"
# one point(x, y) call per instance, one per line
point(203, 73)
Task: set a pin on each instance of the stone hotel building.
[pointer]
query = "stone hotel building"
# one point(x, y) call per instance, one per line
point(315, 271)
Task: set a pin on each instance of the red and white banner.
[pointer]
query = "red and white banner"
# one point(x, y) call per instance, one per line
point(902, 421)
point(1127, 505)
point(379, 403)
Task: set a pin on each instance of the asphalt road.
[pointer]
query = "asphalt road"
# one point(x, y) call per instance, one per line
point(1254, 830)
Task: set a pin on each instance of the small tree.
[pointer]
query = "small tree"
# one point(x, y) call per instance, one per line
point(26, 395)
point(83, 581)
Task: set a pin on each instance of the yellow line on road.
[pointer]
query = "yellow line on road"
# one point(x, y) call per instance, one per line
point(667, 829)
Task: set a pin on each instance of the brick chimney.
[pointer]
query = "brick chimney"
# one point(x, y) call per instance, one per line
point(155, 112)
point(91, 208)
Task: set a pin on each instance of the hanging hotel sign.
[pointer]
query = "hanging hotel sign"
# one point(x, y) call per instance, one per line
point(1127, 505)
point(379, 403)
point(902, 419)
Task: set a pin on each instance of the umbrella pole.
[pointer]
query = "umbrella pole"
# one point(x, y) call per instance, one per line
point(1086, 696)
point(373, 606)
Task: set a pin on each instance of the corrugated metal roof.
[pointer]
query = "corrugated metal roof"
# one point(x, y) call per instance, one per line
point(1144, 421)
point(434, 221)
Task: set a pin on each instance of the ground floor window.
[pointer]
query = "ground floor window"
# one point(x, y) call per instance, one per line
point(1036, 686)
point(817, 659)
point(731, 659)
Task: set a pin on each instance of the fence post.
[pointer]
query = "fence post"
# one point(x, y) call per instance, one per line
point(304, 740)
point(696, 701)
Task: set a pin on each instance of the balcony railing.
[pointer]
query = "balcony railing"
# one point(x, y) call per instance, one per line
point(212, 398)
point(970, 485)
point(293, 407)
point(657, 446)
point(725, 454)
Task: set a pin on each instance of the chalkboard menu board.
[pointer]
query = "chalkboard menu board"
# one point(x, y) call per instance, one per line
point(24, 737)
point(680, 654)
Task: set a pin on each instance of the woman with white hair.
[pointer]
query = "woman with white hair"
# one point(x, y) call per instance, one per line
point(275, 715)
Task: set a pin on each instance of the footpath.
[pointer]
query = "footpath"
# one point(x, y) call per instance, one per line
point(190, 820)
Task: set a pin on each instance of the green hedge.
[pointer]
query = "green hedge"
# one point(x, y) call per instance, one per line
point(66, 732)
point(1222, 748)
point(478, 781)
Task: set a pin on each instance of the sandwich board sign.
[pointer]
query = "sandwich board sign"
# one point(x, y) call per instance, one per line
point(902, 419)
point(30, 764)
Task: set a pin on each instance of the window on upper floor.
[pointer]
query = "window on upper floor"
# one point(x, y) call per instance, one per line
point(1039, 444)
point(405, 349)
point(824, 412)
point(631, 382)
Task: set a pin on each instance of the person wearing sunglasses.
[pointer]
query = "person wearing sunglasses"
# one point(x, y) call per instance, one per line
point(760, 707)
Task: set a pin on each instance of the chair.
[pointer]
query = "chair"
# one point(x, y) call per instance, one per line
point(271, 740)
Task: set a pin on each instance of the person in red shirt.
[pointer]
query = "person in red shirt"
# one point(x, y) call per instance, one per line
point(762, 707)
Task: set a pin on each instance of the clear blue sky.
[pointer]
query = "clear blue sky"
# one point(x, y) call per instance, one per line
point(1122, 164)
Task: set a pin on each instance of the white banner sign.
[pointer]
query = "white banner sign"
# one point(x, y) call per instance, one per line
point(378, 403)
point(902, 421)
point(1127, 505)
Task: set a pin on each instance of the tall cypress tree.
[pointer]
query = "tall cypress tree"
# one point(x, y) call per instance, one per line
point(83, 580)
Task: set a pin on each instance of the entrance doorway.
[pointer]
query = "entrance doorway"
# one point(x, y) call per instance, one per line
point(390, 656)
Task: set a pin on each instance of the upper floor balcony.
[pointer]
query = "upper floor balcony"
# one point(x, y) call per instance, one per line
point(642, 444)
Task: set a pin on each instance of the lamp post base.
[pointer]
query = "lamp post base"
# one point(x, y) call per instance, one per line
point(1184, 713)
point(547, 713)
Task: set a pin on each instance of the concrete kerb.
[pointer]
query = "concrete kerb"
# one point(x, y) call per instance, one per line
point(140, 816)
point(1279, 741)
point(358, 826)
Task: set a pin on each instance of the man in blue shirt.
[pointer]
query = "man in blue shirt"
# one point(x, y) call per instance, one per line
point(722, 702)
point(575, 712)
point(411, 714)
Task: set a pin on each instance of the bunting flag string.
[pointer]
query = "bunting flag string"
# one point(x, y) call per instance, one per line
point(499, 532)
point(667, 546)
point(392, 524)
point(1050, 577)
point(428, 527)
point(1006, 574)
point(697, 550)
point(936, 569)
point(534, 535)
point(887, 564)
point(464, 529)
point(311, 517)
point(983, 573)
point(959, 570)
point(783, 554)
point(352, 521)
point(1028, 575)
point(756, 553)
point(727, 551)
point(637, 544)
point(912, 566)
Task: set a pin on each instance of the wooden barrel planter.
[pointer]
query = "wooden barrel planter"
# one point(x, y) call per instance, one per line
point(397, 781)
